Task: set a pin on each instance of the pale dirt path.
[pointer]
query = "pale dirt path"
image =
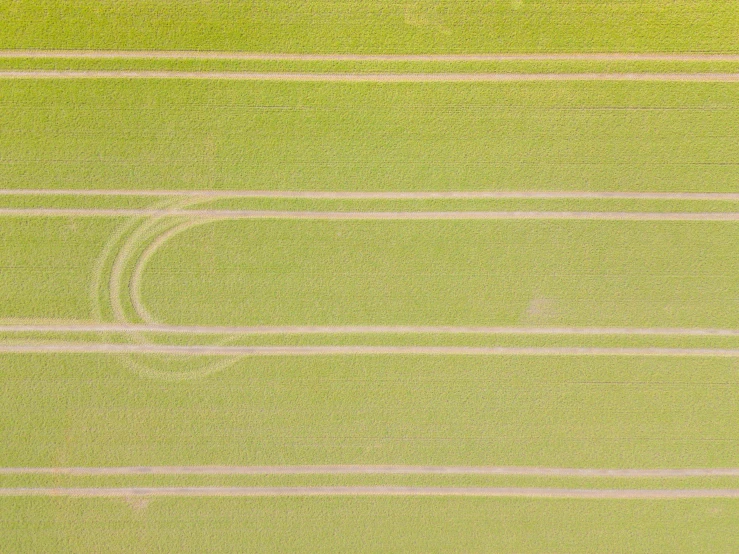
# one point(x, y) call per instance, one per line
point(367, 77)
point(357, 329)
point(388, 195)
point(374, 470)
point(263, 56)
point(207, 350)
point(375, 491)
point(419, 215)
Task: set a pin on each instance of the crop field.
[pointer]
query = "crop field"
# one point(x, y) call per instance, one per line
point(369, 277)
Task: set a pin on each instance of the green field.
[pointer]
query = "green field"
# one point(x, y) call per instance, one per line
point(638, 274)
point(368, 136)
point(91, 410)
point(372, 525)
point(223, 293)
point(375, 26)
point(474, 273)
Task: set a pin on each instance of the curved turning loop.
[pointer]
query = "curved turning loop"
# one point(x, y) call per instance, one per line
point(138, 240)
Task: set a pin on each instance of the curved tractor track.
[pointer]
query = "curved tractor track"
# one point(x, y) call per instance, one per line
point(140, 238)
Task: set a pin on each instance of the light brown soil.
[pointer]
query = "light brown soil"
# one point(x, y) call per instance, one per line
point(388, 195)
point(179, 350)
point(374, 491)
point(259, 56)
point(366, 77)
point(296, 214)
point(376, 470)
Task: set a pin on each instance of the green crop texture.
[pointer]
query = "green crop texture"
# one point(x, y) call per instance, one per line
point(580, 273)
point(367, 136)
point(48, 266)
point(271, 283)
point(574, 411)
point(367, 525)
point(415, 26)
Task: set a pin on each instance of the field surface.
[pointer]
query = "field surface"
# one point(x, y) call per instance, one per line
point(375, 26)
point(369, 277)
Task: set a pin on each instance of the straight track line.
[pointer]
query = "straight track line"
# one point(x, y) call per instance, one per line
point(427, 195)
point(421, 215)
point(359, 330)
point(265, 56)
point(208, 350)
point(373, 470)
point(375, 491)
point(366, 77)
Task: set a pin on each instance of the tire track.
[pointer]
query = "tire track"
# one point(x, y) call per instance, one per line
point(367, 77)
point(266, 56)
point(156, 226)
point(360, 330)
point(208, 350)
point(326, 215)
point(374, 470)
point(384, 195)
point(375, 491)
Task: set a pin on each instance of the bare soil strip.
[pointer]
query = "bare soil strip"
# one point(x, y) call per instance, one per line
point(386, 195)
point(296, 214)
point(372, 470)
point(264, 56)
point(357, 330)
point(208, 350)
point(366, 77)
point(375, 491)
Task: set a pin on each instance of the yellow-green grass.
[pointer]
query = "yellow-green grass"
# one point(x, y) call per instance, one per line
point(357, 338)
point(374, 66)
point(174, 480)
point(575, 411)
point(67, 410)
point(368, 525)
point(48, 266)
point(155, 134)
point(276, 272)
point(333, 273)
point(576, 273)
point(228, 200)
point(375, 26)
point(137, 202)
point(415, 204)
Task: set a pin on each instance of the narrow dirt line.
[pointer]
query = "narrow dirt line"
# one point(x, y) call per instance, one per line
point(201, 350)
point(367, 77)
point(427, 195)
point(264, 56)
point(420, 215)
point(358, 330)
point(375, 491)
point(372, 470)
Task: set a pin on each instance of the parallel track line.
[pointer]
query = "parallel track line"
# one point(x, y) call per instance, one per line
point(366, 77)
point(375, 491)
point(384, 195)
point(266, 56)
point(333, 215)
point(359, 330)
point(374, 470)
point(207, 350)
